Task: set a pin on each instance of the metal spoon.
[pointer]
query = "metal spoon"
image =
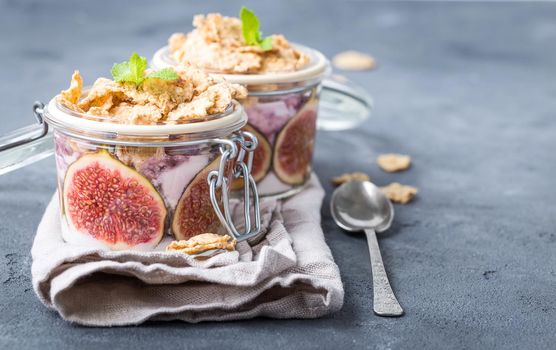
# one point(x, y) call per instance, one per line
point(361, 206)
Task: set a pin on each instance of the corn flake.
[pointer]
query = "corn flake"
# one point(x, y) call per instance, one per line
point(354, 60)
point(202, 243)
point(71, 96)
point(399, 193)
point(347, 177)
point(393, 162)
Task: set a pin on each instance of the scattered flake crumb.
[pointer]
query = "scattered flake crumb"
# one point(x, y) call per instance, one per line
point(347, 177)
point(399, 193)
point(202, 243)
point(393, 162)
point(354, 60)
point(340, 78)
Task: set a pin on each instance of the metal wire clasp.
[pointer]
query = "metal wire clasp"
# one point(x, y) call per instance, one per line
point(241, 160)
point(27, 134)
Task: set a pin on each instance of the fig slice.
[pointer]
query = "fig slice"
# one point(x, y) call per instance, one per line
point(293, 148)
point(262, 158)
point(112, 203)
point(194, 213)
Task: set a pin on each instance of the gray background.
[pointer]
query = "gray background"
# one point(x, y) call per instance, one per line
point(467, 89)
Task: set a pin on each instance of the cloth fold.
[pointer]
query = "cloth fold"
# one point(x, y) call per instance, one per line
point(289, 274)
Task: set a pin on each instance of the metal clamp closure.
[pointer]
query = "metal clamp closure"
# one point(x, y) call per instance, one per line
point(27, 134)
point(231, 156)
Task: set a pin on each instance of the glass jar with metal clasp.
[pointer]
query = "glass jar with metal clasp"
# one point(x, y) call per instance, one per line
point(124, 186)
point(285, 109)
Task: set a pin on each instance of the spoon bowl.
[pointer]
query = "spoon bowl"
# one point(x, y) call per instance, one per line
point(359, 205)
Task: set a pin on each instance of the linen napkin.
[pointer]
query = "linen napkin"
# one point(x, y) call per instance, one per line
point(289, 274)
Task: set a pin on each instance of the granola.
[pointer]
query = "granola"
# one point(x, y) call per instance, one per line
point(399, 193)
point(347, 177)
point(216, 44)
point(194, 95)
point(393, 162)
point(202, 243)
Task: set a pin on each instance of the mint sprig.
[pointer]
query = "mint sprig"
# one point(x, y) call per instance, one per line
point(133, 71)
point(250, 28)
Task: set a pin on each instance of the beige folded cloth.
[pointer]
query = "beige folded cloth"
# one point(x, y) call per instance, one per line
point(290, 274)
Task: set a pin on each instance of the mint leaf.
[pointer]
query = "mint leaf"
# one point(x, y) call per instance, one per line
point(250, 26)
point(137, 66)
point(120, 72)
point(266, 44)
point(132, 71)
point(164, 74)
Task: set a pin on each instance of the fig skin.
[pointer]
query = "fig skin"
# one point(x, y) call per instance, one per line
point(294, 145)
point(124, 215)
point(194, 213)
point(262, 159)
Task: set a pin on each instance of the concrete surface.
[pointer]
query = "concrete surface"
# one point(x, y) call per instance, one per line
point(467, 89)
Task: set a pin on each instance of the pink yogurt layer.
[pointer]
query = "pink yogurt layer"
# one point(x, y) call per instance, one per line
point(270, 114)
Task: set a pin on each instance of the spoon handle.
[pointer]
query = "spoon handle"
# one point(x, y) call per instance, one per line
point(384, 300)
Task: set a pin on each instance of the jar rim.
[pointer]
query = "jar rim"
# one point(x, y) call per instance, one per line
point(318, 67)
point(215, 126)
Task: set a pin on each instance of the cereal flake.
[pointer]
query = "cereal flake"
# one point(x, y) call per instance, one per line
point(202, 243)
point(354, 60)
point(347, 177)
point(399, 193)
point(70, 96)
point(393, 162)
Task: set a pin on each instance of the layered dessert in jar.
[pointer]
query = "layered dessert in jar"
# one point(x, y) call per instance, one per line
point(135, 154)
point(283, 82)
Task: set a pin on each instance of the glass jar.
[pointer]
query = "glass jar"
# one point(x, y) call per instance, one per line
point(283, 110)
point(127, 186)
